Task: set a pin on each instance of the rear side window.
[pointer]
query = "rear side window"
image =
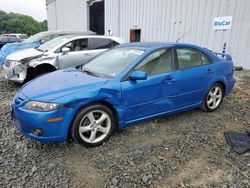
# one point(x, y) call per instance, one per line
point(99, 43)
point(188, 57)
point(159, 62)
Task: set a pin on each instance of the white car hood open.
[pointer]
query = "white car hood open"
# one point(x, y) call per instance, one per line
point(23, 54)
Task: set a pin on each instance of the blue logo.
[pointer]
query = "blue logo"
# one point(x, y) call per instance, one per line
point(224, 23)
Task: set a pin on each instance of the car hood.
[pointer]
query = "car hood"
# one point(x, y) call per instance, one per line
point(59, 84)
point(24, 54)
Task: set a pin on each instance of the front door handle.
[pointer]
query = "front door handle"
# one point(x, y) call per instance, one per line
point(169, 80)
point(209, 71)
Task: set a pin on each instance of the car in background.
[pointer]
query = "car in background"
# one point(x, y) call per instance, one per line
point(59, 53)
point(17, 35)
point(127, 84)
point(8, 39)
point(11, 38)
point(35, 41)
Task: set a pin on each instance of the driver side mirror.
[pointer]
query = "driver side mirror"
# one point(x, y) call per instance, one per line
point(65, 50)
point(138, 75)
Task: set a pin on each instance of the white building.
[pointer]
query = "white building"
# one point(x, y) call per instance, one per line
point(162, 20)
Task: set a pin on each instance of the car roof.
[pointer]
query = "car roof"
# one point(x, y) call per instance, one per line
point(46, 33)
point(79, 36)
point(156, 45)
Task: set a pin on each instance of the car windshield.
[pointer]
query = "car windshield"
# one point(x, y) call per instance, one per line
point(36, 37)
point(111, 63)
point(52, 44)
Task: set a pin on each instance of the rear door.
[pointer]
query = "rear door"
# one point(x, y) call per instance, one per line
point(78, 55)
point(157, 93)
point(195, 72)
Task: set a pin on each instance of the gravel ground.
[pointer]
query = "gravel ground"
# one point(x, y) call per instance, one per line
point(184, 150)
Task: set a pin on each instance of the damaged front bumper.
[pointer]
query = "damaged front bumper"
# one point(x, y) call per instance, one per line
point(15, 71)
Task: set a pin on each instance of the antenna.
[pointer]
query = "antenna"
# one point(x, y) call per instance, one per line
point(183, 35)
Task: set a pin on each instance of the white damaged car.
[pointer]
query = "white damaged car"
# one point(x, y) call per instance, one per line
point(59, 53)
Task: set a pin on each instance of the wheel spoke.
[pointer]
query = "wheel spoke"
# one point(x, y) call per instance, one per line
point(101, 119)
point(218, 96)
point(85, 129)
point(92, 136)
point(216, 91)
point(91, 117)
point(214, 104)
point(210, 101)
point(210, 93)
point(103, 129)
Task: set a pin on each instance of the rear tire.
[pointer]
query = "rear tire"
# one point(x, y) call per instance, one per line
point(213, 98)
point(93, 125)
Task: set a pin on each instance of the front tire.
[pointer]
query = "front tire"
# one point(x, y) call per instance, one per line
point(93, 125)
point(213, 98)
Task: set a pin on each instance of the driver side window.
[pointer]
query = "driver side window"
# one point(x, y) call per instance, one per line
point(69, 45)
point(77, 45)
point(158, 62)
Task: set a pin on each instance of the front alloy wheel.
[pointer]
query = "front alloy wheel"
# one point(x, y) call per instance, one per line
point(213, 98)
point(93, 125)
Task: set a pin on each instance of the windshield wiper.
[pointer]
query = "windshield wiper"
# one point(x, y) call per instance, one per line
point(39, 49)
point(89, 72)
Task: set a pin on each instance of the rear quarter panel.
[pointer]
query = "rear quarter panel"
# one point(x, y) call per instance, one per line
point(223, 72)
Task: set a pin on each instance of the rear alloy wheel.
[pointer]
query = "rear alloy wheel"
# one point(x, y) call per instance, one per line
point(213, 98)
point(93, 125)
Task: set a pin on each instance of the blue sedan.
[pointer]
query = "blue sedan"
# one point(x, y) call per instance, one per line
point(120, 87)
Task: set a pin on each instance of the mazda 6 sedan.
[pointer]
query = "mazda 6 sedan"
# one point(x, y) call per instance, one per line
point(122, 86)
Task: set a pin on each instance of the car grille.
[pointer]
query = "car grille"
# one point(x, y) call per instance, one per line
point(7, 63)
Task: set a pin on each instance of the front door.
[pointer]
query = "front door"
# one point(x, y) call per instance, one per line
point(157, 93)
point(79, 54)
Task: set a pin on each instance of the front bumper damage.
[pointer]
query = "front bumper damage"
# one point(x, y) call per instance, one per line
point(15, 71)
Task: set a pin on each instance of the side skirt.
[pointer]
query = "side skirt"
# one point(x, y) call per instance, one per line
point(186, 108)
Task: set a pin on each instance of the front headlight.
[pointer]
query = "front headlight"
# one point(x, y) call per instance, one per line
point(15, 63)
point(41, 106)
point(9, 63)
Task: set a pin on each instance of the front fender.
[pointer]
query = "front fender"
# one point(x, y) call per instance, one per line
point(111, 95)
point(36, 62)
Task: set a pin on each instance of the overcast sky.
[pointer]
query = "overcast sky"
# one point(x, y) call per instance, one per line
point(34, 8)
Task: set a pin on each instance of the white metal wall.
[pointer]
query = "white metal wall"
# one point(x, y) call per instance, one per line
point(166, 20)
point(67, 15)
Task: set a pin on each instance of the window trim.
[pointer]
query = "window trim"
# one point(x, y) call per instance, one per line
point(187, 47)
point(126, 77)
